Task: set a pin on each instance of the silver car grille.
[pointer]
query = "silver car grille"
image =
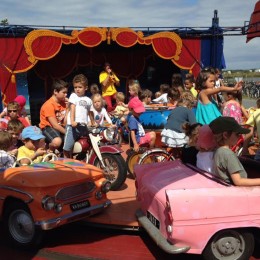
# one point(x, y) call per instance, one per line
point(70, 193)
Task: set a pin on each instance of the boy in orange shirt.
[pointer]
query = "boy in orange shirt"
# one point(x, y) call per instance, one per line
point(53, 115)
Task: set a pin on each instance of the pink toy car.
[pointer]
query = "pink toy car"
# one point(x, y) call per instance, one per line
point(186, 210)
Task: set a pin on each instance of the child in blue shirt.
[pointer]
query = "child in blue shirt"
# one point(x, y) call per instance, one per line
point(137, 133)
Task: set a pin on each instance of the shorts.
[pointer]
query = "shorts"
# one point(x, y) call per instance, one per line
point(146, 139)
point(51, 133)
point(72, 135)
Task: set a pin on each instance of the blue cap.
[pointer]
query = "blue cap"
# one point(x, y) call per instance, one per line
point(32, 132)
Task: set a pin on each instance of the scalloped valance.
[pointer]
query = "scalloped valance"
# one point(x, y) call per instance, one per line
point(21, 54)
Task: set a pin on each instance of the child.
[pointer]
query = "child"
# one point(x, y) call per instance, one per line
point(77, 117)
point(15, 128)
point(21, 100)
point(121, 110)
point(234, 108)
point(226, 164)
point(6, 159)
point(172, 134)
point(134, 89)
point(157, 94)
point(146, 97)
point(99, 112)
point(189, 84)
point(13, 109)
point(33, 147)
point(177, 82)
point(173, 97)
point(206, 146)
point(254, 123)
point(94, 89)
point(218, 83)
point(189, 150)
point(207, 108)
point(137, 133)
point(53, 115)
point(163, 98)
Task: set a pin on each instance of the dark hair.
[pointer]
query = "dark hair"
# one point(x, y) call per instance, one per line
point(145, 93)
point(164, 88)
point(202, 78)
point(59, 85)
point(190, 77)
point(174, 94)
point(106, 64)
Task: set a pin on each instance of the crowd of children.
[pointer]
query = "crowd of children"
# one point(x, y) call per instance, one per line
point(205, 120)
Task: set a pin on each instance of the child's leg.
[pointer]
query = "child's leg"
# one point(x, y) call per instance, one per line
point(149, 138)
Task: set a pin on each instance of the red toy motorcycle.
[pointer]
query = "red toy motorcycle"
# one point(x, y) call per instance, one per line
point(106, 156)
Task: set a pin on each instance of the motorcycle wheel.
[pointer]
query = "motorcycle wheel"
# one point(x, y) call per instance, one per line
point(115, 169)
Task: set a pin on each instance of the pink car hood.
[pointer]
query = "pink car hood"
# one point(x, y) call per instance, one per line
point(191, 194)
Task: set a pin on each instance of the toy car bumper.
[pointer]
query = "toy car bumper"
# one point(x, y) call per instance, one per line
point(157, 236)
point(73, 216)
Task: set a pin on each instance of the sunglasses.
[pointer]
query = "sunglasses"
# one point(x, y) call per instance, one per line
point(12, 110)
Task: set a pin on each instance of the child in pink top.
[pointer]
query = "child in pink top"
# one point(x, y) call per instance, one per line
point(233, 108)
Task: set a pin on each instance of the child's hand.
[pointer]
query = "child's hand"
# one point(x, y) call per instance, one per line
point(238, 86)
point(74, 124)
point(13, 152)
point(40, 151)
point(136, 147)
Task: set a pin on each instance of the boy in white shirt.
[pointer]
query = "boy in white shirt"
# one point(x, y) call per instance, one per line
point(77, 117)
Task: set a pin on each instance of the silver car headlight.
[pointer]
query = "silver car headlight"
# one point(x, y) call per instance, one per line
point(48, 203)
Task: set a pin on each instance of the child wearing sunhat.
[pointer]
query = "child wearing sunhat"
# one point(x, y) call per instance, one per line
point(226, 131)
point(34, 145)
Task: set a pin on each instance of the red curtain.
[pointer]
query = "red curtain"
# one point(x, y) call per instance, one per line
point(20, 54)
point(254, 24)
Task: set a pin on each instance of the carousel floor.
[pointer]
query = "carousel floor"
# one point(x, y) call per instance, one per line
point(124, 204)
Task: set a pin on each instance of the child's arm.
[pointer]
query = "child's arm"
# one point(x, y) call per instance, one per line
point(239, 181)
point(244, 112)
point(91, 117)
point(72, 115)
point(133, 137)
point(205, 93)
point(3, 113)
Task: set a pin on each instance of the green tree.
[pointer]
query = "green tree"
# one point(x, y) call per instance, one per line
point(4, 22)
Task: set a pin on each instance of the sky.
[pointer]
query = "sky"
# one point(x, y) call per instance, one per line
point(143, 13)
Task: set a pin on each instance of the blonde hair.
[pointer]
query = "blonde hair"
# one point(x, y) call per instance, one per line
point(97, 95)
point(189, 98)
point(13, 105)
point(120, 96)
point(135, 87)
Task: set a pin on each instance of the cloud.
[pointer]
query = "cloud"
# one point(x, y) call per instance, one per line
point(143, 13)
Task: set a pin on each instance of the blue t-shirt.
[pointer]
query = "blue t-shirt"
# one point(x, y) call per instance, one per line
point(135, 125)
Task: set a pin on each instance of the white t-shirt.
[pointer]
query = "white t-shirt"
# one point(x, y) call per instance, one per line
point(205, 161)
point(82, 108)
point(162, 99)
point(100, 116)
